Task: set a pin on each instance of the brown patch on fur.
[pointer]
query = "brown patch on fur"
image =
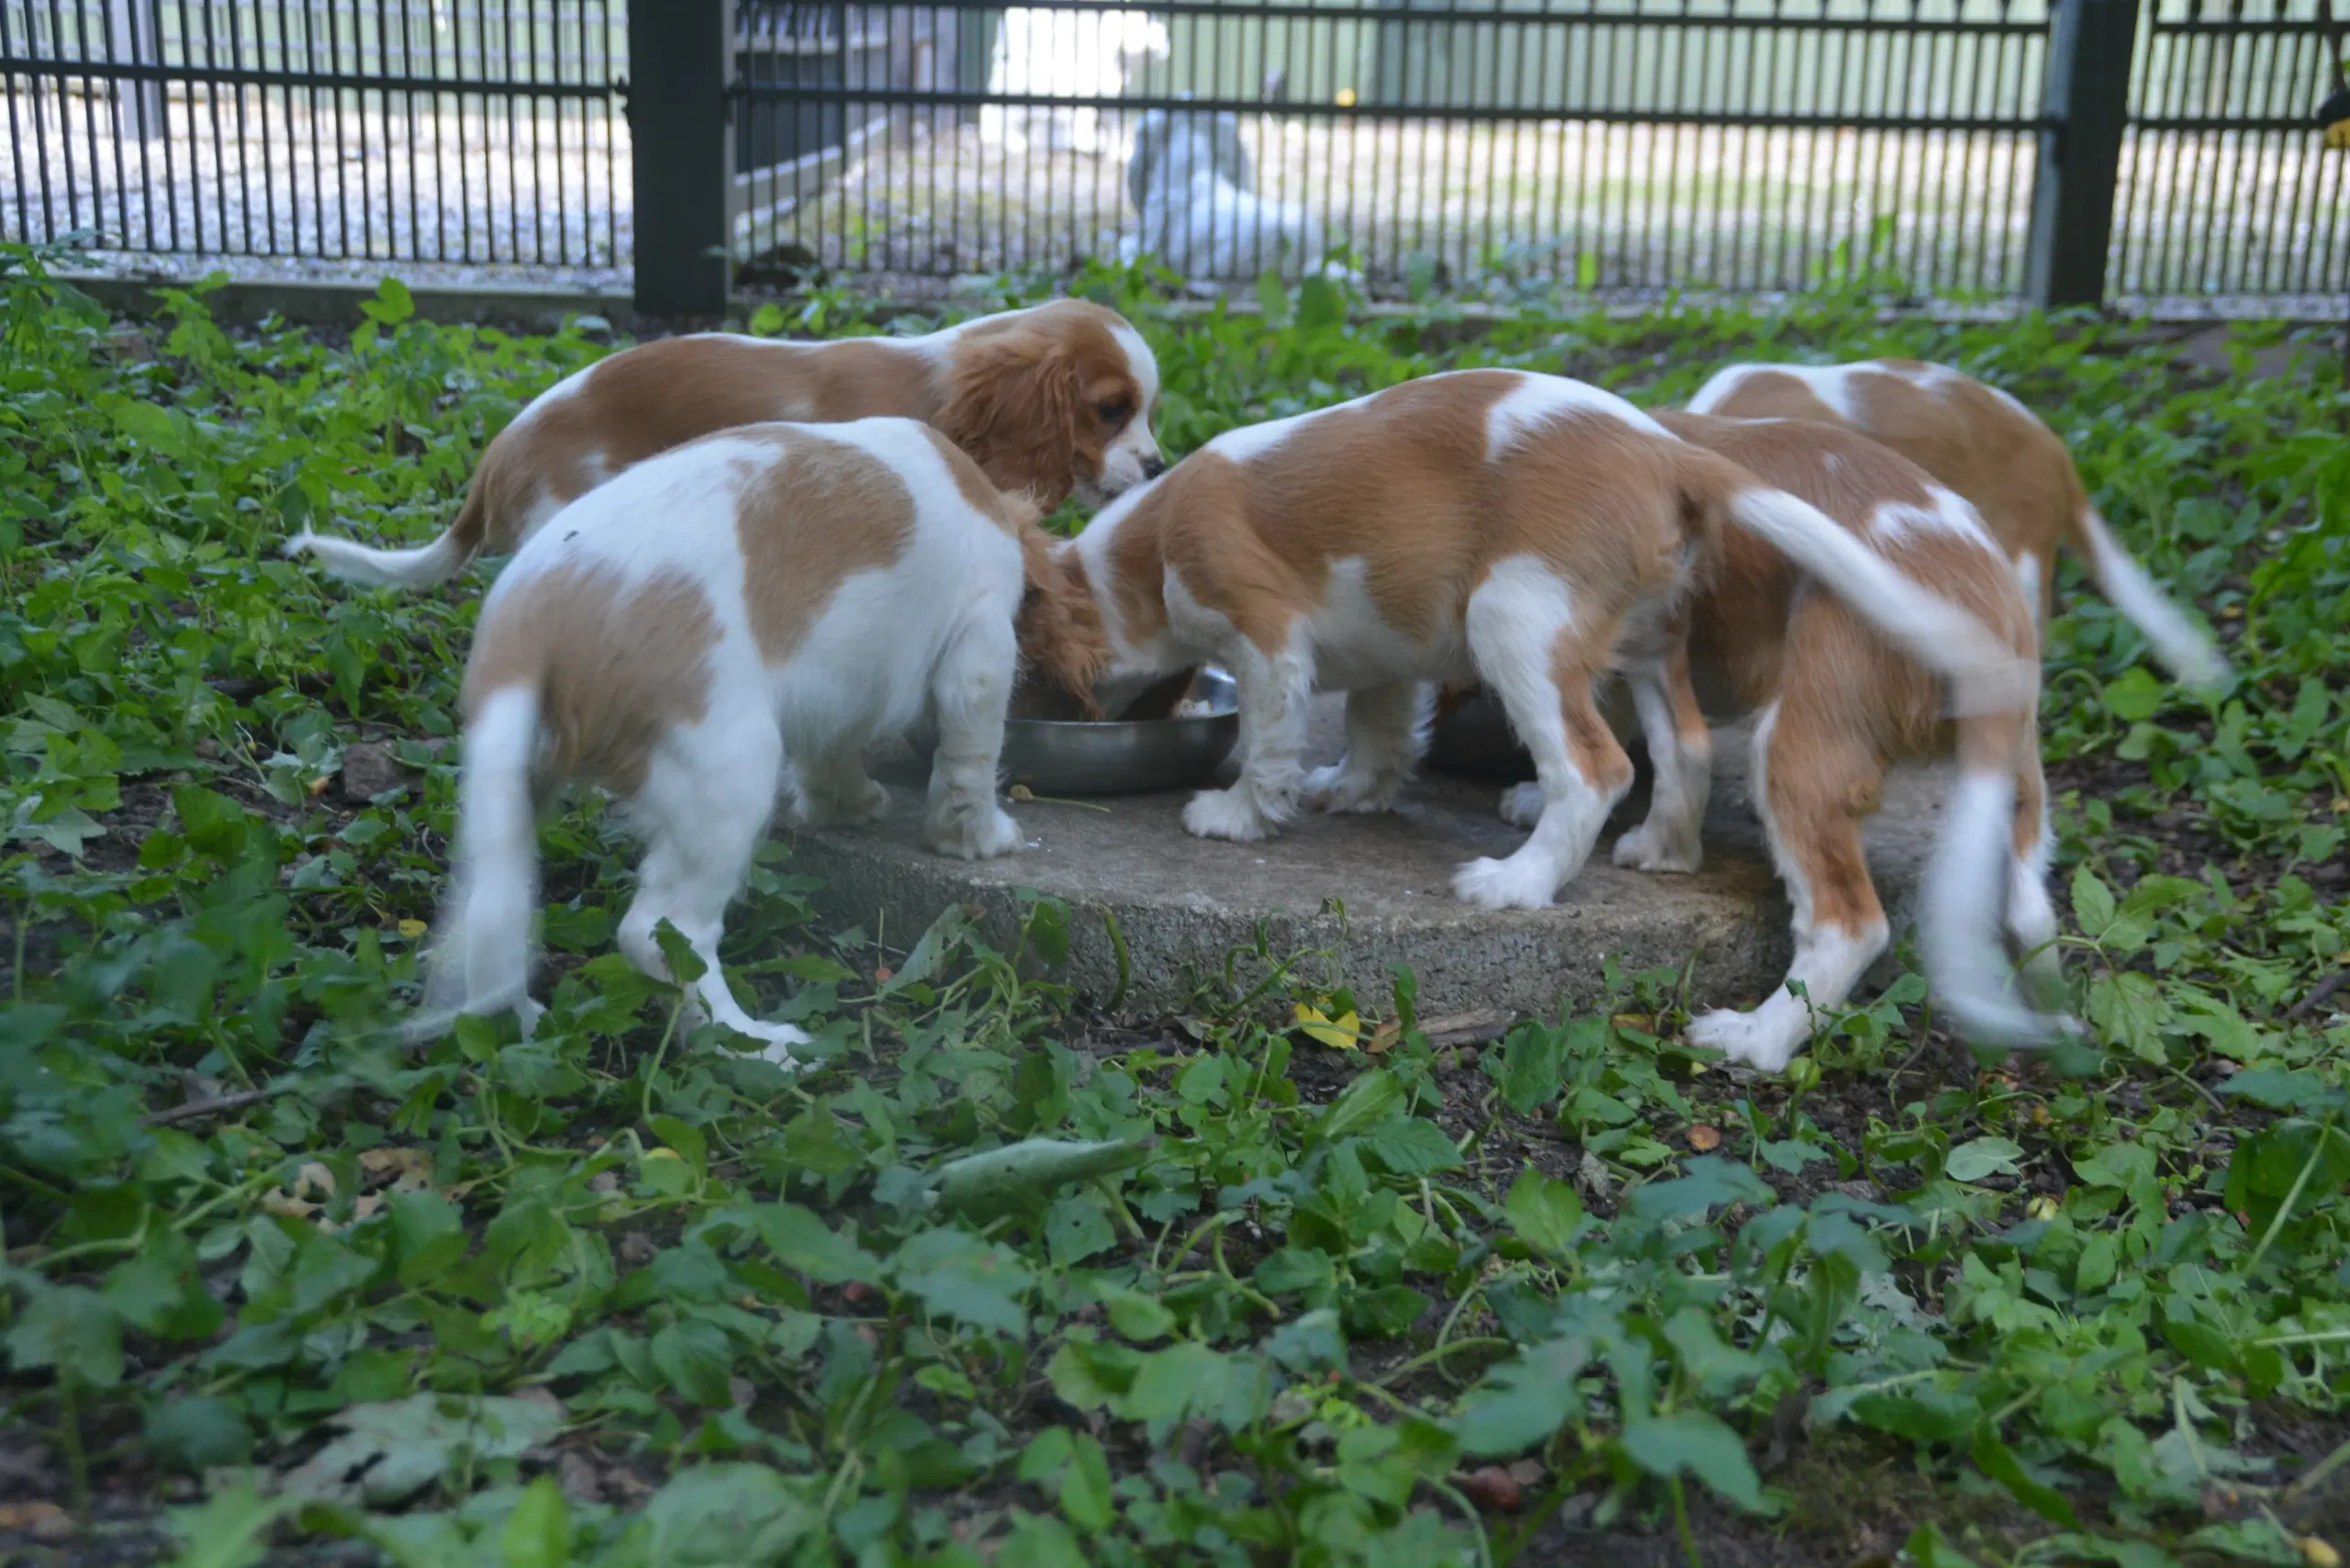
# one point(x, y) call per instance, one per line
point(1025, 395)
point(616, 665)
point(1062, 642)
point(1011, 511)
point(821, 513)
point(2012, 467)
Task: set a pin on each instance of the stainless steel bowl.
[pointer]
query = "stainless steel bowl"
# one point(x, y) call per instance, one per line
point(1054, 757)
point(1121, 756)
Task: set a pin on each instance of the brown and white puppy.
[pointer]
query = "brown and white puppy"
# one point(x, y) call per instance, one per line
point(1047, 400)
point(1990, 449)
point(1522, 530)
point(735, 619)
point(1839, 703)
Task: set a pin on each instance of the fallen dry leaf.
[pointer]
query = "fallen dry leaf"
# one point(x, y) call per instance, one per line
point(1705, 1139)
point(413, 928)
point(43, 1521)
point(1494, 1488)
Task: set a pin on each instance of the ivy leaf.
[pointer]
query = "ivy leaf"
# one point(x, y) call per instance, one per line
point(959, 1276)
point(1085, 1487)
point(538, 1532)
point(804, 1243)
point(1076, 1229)
point(1692, 1443)
point(695, 1358)
point(1545, 1213)
point(2130, 1010)
point(726, 1515)
point(1978, 1158)
point(1524, 1400)
point(1370, 1099)
point(1999, 1461)
point(1411, 1146)
point(390, 1451)
point(230, 1529)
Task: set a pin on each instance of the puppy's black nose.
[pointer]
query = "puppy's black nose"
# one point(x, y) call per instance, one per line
point(1152, 467)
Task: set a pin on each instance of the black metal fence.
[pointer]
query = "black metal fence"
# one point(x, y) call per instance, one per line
point(2055, 150)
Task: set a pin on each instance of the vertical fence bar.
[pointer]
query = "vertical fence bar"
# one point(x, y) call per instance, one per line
point(2086, 99)
point(680, 70)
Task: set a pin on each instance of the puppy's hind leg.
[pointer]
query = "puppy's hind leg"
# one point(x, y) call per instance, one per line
point(703, 806)
point(1812, 781)
point(1528, 648)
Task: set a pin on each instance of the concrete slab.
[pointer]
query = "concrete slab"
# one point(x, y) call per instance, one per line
point(1357, 894)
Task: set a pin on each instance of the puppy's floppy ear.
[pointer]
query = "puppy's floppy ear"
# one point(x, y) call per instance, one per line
point(1013, 405)
point(1062, 639)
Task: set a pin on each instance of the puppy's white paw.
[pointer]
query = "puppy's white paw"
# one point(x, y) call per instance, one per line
point(1646, 848)
point(979, 835)
point(775, 1041)
point(1339, 787)
point(870, 805)
point(1520, 882)
point(1225, 813)
point(1755, 1038)
point(1522, 804)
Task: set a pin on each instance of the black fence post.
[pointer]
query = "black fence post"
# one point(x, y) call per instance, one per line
point(2086, 97)
point(679, 108)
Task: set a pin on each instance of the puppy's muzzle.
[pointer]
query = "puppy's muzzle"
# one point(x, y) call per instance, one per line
point(1152, 467)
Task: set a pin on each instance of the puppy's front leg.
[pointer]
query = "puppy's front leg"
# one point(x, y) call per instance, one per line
point(1275, 695)
point(1681, 747)
point(971, 693)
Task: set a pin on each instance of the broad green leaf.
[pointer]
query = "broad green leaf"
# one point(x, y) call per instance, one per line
point(1999, 1461)
point(1409, 1146)
point(1978, 1158)
point(1692, 1443)
point(229, 1530)
point(726, 1515)
point(538, 1532)
point(1085, 1487)
point(961, 1277)
point(1370, 1099)
point(1521, 1402)
point(1544, 1212)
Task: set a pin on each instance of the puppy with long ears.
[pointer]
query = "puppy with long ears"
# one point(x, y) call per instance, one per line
point(1990, 449)
point(1523, 530)
point(1838, 702)
point(733, 620)
point(1047, 400)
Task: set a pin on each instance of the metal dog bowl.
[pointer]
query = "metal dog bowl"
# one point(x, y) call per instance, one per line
point(1117, 756)
point(1124, 756)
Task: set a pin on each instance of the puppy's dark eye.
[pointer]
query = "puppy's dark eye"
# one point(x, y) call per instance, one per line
point(1115, 411)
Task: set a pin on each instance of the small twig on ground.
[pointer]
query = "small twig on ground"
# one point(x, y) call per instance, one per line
point(197, 1110)
point(2318, 997)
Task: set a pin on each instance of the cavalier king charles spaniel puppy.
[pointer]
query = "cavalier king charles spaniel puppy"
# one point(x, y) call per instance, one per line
point(731, 622)
point(1048, 400)
point(1524, 530)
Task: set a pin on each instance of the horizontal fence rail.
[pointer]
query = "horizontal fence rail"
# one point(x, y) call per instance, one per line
point(475, 131)
point(2055, 150)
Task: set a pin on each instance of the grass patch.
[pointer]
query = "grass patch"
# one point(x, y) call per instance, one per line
point(612, 1296)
